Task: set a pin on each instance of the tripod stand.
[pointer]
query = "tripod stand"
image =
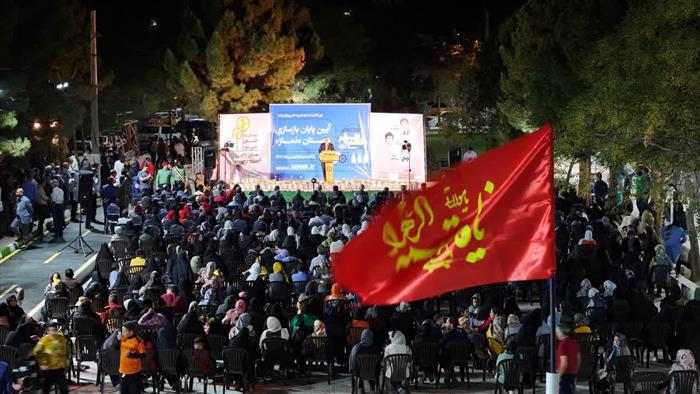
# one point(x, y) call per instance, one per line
point(79, 244)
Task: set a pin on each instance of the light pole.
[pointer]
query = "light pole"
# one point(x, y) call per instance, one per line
point(406, 147)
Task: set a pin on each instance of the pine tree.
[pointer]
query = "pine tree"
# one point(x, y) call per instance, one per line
point(240, 56)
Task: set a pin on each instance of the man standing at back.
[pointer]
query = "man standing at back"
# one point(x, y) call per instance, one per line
point(22, 224)
point(568, 360)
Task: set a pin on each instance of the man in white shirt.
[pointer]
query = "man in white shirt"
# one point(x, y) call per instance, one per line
point(58, 210)
point(470, 154)
point(119, 168)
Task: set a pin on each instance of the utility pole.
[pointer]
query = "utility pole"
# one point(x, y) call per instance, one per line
point(94, 112)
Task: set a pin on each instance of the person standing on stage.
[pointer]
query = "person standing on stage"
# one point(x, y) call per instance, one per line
point(325, 146)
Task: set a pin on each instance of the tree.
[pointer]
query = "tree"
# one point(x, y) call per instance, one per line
point(240, 56)
point(643, 95)
point(544, 47)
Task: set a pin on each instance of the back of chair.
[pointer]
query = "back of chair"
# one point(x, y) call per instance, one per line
point(399, 365)
point(109, 362)
point(512, 372)
point(353, 335)
point(278, 292)
point(368, 366)
point(481, 346)
point(87, 349)
point(300, 286)
point(624, 368)
point(57, 307)
point(104, 267)
point(194, 359)
point(648, 382)
point(114, 323)
point(167, 360)
point(119, 249)
point(4, 332)
point(82, 326)
point(134, 272)
point(9, 355)
point(684, 381)
point(99, 303)
point(459, 352)
point(274, 345)
point(425, 354)
point(217, 343)
point(74, 294)
point(586, 370)
point(318, 348)
point(235, 360)
point(528, 354)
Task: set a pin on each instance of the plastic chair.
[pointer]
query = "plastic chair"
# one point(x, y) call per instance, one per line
point(57, 308)
point(623, 369)
point(318, 350)
point(528, 355)
point(114, 323)
point(4, 332)
point(108, 366)
point(236, 364)
point(186, 341)
point(587, 369)
point(217, 343)
point(685, 382)
point(194, 358)
point(74, 294)
point(648, 382)
point(352, 336)
point(399, 364)
point(368, 366)
point(274, 351)
point(168, 363)
point(148, 370)
point(104, 267)
point(657, 335)
point(9, 355)
point(86, 350)
point(512, 373)
point(82, 326)
point(279, 292)
point(457, 355)
point(425, 357)
point(134, 272)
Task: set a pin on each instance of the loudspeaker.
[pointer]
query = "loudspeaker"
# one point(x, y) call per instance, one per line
point(209, 159)
point(84, 187)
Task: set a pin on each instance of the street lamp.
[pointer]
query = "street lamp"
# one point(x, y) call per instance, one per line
point(36, 125)
point(62, 86)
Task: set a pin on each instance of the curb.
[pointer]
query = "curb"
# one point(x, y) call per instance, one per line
point(7, 250)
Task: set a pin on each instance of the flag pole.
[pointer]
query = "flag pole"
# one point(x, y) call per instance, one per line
point(552, 382)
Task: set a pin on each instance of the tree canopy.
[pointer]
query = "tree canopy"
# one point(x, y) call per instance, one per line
point(240, 56)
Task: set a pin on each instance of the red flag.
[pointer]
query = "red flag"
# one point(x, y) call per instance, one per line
point(485, 221)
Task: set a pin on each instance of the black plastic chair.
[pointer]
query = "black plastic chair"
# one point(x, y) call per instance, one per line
point(368, 368)
point(300, 286)
point(74, 294)
point(99, 304)
point(149, 370)
point(104, 267)
point(194, 358)
point(275, 351)
point(623, 368)
point(217, 343)
point(512, 373)
point(57, 308)
point(352, 336)
point(661, 274)
point(108, 366)
point(236, 364)
point(456, 355)
point(9, 355)
point(648, 382)
point(425, 358)
point(544, 343)
point(317, 350)
point(684, 382)
point(114, 323)
point(279, 292)
point(657, 336)
point(82, 326)
point(482, 353)
point(400, 365)
point(86, 350)
point(4, 332)
point(528, 356)
point(587, 368)
point(168, 363)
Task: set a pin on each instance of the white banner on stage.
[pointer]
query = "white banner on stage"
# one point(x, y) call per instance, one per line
point(388, 133)
point(244, 142)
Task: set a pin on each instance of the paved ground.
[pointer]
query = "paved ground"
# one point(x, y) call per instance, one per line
point(32, 268)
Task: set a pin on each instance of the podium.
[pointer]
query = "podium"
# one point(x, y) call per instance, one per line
point(327, 158)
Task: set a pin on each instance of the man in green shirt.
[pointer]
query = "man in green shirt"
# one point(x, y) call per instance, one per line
point(178, 175)
point(163, 176)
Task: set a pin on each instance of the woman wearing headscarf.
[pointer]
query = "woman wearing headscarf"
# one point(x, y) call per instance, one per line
point(244, 321)
point(274, 330)
point(154, 286)
point(685, 361)
point(225, 306)
point(619, 348)
point(232, 314)
point(276, 311)
point(580, 326)
point(587, 239)
point(10, 313)
point(583, 290)
point(609, 287)
point(253, 272)
point(365, 346)
point(319, 329)
point(190, 323)
point(196, 263)
point(397, 346)
point(513, 327)
point(497, 331)
point(131, 310)
point(84, 311)
point(278, 274)
point(336, 293)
